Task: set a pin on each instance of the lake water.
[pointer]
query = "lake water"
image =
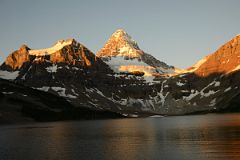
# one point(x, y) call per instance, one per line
point(212, 136)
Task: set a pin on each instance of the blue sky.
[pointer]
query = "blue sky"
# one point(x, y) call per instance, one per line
point(178, 32)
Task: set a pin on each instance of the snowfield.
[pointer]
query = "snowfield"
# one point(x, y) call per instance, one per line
point(9, 75)
point(47, 51)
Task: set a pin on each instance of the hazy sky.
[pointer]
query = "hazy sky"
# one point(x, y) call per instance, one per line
point(178, 32)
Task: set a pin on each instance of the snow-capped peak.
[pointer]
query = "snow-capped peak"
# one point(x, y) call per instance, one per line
point(56, 47)
point(120, 34)
point(120, 44)
point(122, 54)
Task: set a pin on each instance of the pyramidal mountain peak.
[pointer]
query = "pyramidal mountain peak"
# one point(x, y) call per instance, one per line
point(120, 44)
point(120, 34)
point(123, 54)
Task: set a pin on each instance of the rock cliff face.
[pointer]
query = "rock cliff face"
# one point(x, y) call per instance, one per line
point(15, 60)
point(124, 79)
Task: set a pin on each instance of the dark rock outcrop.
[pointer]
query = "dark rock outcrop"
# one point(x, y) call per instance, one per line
point(21, 104)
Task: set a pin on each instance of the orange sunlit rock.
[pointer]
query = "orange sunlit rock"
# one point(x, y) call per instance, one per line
point(225, 60)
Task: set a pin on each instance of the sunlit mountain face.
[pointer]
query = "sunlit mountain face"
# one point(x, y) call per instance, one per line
point(123, 79)
point(225, 60)
point(123, 54)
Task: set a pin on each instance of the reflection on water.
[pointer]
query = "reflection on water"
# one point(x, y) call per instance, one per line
point(130, 138)
point(183, 137)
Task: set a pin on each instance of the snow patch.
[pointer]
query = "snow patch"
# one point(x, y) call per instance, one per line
point(217, 84)
point(52, 69)
point(7, 92)
point(149, 79)
point(165, 70)
point(179, 84)
point(121, 64)
point(93, 104)
point(191, 96)
point(116, 62)
point(160, 94)
point(210, 84)
point(61, 92)
point(156, 116)
point(130, 115)
point(95, 90)
point(227, 89)
point(209, 93)
point(73, 91)
point(47, 51)
point(9, 75)
point(75, 68)
point(182, 75)
point(44, 88)
point(99, 92)
point(213, 102)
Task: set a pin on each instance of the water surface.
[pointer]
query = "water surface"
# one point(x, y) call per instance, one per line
point(212, 136)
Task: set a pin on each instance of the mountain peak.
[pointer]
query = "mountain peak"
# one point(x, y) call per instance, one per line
point(57, 46)
point(67, 51)
point(121, 35)
point(122, 54)
point(63, 41)
point(119, 32)
point(24, 48)
point(120, 44)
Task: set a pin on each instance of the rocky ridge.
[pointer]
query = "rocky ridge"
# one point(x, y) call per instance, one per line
point(73, 72)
